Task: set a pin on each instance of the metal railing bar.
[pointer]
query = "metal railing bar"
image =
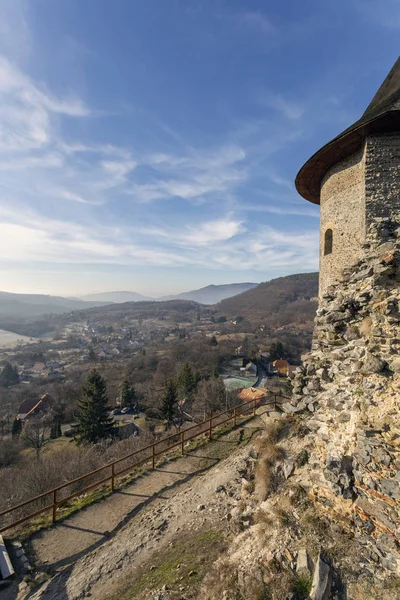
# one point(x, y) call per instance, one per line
point(205, 426)
point(28, 518)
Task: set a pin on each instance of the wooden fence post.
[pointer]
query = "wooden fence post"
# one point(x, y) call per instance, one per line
point(54, 506)
point(237, 412)
point(112, 477)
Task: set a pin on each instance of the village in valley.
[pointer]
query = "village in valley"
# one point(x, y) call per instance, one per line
point(41, 368)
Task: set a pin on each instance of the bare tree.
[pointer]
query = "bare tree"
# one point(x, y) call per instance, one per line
point(211, 397)
point(36, 434)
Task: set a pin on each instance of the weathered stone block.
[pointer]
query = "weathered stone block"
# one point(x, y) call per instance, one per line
point(372, 364)
point(304, 564)
point(322, 581)
point(390, 487)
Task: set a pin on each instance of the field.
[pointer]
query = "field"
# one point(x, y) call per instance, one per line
point(9, 339)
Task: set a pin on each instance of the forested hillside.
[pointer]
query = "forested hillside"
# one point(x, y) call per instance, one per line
point(283, 301)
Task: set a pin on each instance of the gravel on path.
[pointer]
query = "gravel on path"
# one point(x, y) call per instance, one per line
point(97, 549)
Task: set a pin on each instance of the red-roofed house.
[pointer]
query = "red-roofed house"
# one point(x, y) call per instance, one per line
point(281, 366)
point(251, 393)
point(34, 406)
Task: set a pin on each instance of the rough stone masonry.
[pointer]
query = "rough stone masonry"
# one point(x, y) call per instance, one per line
point(349, 385)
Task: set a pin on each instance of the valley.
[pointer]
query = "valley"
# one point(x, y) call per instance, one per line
point(207, 353)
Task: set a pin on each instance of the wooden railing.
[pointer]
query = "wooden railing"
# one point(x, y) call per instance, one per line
point(52, 499)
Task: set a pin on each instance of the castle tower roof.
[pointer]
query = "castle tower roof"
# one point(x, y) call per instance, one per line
point(382, 115)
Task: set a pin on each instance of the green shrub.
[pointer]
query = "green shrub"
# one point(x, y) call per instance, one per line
point(301, 588)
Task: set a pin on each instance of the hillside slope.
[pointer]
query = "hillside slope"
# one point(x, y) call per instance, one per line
point(145, 310)
point(281, 301)
point(35, 305)
point(176, 310)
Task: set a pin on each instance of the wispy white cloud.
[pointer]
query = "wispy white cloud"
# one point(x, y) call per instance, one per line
point(302, 209)
point(70, 196)
point(59, 213)
point(221, 243)
point(290, 109)
point(26, 111)
point(213, 231)
point(255, 20)
point(44, 161)
point(192, 175)
point(207, 233)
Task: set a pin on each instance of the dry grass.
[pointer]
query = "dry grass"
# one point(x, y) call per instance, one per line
point(283, 512)
point(183, 563)
point(266, 476)
point(221, 577)
point(266, 480)
point(29, 478)
point(225, 581)
point(277, 430)
point(264, 519)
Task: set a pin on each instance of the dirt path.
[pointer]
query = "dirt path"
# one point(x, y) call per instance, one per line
point(98, 548)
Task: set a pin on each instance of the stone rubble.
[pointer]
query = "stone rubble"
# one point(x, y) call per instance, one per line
point(349, 386)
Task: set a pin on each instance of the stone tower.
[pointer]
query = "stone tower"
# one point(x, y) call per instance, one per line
point(348, 387)
point(355, 178)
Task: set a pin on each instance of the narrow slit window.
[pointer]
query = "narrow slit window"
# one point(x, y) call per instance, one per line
point(328, 242)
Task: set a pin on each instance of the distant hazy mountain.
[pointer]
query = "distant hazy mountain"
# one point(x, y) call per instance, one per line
point(116, 297)
point(34, 305)
point(211, 294)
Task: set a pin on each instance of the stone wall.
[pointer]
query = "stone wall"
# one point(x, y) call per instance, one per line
point(343, 211)
point(350, 390)
point(382, 176)
point(353, 193)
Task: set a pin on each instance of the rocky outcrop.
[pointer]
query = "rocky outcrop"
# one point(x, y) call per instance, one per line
point(349, 387)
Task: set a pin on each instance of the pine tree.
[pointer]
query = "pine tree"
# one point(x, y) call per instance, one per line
point(94, 422)
point(186, 380)
point(196, 379)
point(55, 431)
point(8, 376)
point(128, 396)
point(277, 351)
point(16, 428)
point(169, 402)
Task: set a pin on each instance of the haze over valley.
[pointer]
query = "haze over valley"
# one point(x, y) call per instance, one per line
point(199, 336)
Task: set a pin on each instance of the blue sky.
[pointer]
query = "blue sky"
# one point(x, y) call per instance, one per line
point(151, 145)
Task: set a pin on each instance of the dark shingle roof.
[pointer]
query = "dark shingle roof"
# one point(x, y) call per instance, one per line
point(388, 95)
point(382, 114)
